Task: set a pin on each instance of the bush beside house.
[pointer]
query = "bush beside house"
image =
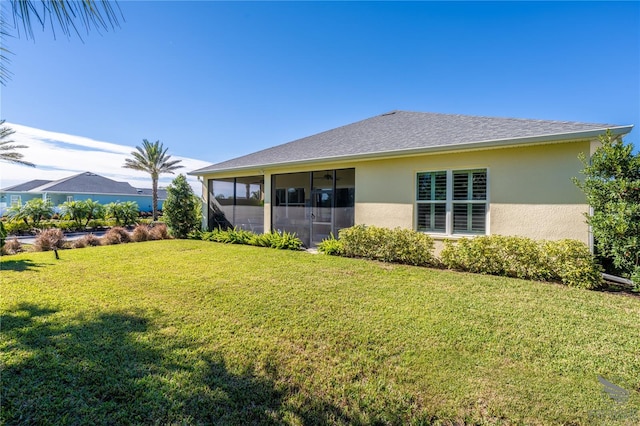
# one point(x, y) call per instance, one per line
point(565, 261)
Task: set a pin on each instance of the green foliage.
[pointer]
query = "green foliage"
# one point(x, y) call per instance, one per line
point(153, 159)
point(35, 210)
point(124, 213)
point(3, 234)
point(277, 240)
point(284, 240)
point(83, 211)
point(14, 228)
point(63, 225)
point(228, 236)
point(612, 187)
point(188, 332)
point(566, 261)
point(331, 246)
point(181, 209)
point(8, 151)
point(388, 245)
point(571, 263)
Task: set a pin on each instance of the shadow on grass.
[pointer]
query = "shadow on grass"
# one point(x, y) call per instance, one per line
point(18, 265)
point(114, 368)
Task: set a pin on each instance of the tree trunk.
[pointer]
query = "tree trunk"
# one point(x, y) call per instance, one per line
point(154, 196)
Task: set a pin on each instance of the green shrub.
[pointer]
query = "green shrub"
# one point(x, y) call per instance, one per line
point(277, 240)
point(3, 234)
point(284, 241)
point(124, 213)
point(572, 263)
point(388, 245)
point(565, 261)
point(15, 228)
point(65, 225)
point(331, 246)
point(260, 240)
point(516, 257)
point(229, 236)
point(49, 239)
point(182, 209)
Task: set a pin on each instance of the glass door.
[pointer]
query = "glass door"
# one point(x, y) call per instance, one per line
point(322, 206)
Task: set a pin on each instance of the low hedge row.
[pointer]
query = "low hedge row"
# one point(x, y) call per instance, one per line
point(565, 261)
point(277, 240)
point(387, 245)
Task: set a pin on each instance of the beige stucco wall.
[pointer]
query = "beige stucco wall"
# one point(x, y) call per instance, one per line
point(530, 188)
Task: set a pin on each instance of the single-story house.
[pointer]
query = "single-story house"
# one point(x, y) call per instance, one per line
point(80, 187)
point(443, 174)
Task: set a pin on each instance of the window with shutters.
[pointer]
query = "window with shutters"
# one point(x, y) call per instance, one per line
point(452, 202)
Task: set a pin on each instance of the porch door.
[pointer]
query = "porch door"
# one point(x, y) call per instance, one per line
point(322, 206)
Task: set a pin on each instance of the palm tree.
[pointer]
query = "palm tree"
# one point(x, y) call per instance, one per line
point(7, 151)
point(153, 159)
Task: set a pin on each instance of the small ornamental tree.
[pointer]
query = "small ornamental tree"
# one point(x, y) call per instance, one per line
point(36, 210)
point(82, 211)
point(181, 209)
point(125, 213)
point(612, 187)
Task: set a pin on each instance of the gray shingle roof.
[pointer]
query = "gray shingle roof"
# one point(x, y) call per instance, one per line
point(26, 186)
point(83, 183)
point(87, 183)
point(400, 132)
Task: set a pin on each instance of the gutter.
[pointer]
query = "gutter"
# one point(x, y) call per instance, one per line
point(617, 280)
point(467, 146)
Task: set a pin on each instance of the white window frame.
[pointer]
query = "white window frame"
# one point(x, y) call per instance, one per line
point(69, 198)
point(16, 200)
point(449, 202)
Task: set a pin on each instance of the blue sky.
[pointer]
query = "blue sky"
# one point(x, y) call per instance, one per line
point(215, 80)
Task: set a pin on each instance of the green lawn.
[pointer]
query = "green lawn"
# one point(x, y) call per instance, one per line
point(192, 332)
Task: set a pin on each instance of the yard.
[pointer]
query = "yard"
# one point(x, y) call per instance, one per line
point(193, 332)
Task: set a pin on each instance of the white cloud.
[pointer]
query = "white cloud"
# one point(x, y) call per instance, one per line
point(58, 155)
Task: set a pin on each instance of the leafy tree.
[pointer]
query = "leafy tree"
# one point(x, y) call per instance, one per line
point(82, 210)
point(612, 187)
point(153, 159)
point(36, 210)
point(8, 151)
point(182, 208)
point(125, 213)
point(95, 210)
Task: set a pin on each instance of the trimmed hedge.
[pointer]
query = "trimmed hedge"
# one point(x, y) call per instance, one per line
point(387, 245)
point(565, 261)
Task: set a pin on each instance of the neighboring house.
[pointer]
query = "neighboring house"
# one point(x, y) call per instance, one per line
point(79, 187)
point(446, 175)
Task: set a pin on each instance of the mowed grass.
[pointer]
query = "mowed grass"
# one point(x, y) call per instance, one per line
point(192, 332)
